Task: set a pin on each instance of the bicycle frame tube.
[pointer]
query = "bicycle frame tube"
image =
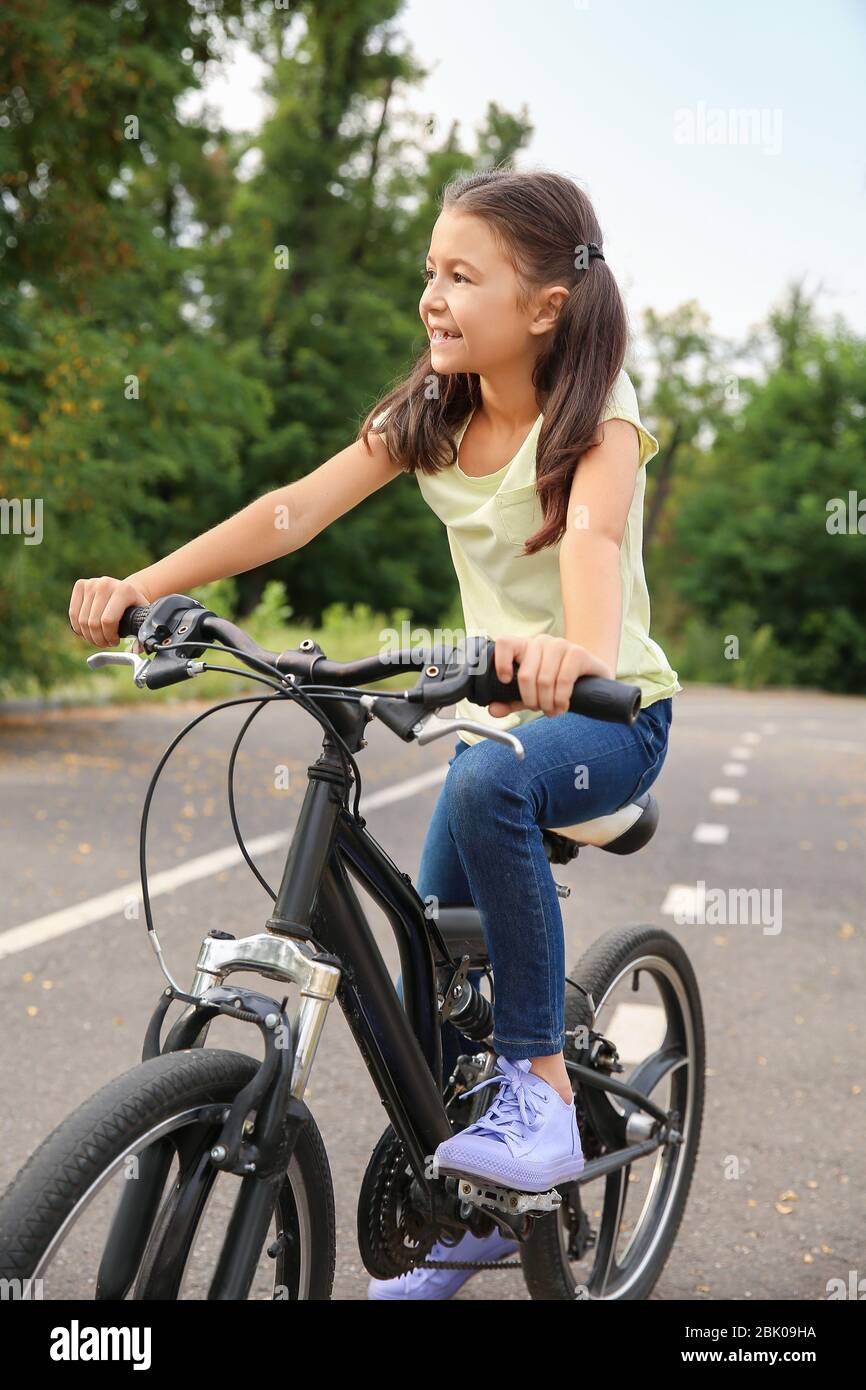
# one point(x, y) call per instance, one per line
point(317, 903)
point(401, 1046)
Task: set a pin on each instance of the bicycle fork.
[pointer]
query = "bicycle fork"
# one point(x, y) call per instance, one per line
point(258, 1151)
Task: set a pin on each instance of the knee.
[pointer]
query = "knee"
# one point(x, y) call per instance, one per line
point(482, 782)
point(487, 776)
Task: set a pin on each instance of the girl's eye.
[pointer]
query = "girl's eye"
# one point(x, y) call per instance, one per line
point(425, 275)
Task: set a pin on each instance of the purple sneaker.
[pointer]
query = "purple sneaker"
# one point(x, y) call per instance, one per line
point(527, 1140)
point(444, 1283)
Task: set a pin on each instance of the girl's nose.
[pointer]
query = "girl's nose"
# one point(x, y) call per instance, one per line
point(431, 299)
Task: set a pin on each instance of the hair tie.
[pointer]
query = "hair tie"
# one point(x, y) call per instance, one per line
point(595, 250)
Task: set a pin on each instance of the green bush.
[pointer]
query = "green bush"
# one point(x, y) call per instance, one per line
point(221, 596)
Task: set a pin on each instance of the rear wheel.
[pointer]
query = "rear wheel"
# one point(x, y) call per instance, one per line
point(155, 1126)
point(612, 1235)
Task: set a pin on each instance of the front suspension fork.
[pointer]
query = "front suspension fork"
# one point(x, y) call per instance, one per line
point(258, 1151)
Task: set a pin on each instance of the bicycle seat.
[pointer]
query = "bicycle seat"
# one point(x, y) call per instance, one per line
point(621, 832)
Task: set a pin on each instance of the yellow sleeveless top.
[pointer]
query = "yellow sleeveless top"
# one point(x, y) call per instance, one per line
point(503, 592)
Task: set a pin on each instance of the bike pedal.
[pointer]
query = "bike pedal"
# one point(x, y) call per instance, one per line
point(487, 1195)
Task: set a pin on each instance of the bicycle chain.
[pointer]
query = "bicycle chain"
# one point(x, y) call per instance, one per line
point(469, 1264)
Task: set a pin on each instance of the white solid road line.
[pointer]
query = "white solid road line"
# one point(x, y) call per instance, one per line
point(82, 914)
point(403, 789)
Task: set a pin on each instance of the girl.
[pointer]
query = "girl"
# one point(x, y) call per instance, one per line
point(542, 494)
point(543, 505)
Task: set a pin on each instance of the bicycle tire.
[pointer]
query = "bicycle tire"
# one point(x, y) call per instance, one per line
point(69, 1163)
point(546, 1269)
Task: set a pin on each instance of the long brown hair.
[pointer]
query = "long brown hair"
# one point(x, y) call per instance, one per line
point(540, 219)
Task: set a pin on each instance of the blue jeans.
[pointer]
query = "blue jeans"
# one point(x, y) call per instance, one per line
point(484, 848)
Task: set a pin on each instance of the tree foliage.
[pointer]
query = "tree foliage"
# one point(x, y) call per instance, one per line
point(190, 317)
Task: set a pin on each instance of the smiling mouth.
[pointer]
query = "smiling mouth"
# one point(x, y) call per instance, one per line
point(440, 335)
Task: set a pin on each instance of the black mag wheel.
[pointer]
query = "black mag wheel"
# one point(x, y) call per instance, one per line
point(156, 1124)
point(612, 1235)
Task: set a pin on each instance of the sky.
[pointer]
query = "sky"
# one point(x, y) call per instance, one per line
point(723, 146)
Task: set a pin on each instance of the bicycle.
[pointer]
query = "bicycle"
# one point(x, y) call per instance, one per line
point(191, 1123)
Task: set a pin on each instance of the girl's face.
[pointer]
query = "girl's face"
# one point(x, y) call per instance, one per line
point(472, 293)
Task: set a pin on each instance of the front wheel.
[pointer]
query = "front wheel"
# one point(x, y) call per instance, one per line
point(611, 1236)
point(154, 1128)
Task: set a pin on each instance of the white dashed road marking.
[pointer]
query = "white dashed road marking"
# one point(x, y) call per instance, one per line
point(705, 833)
point(684, 898)
point(725, 796)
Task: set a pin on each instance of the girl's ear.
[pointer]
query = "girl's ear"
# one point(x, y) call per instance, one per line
point(549, 309)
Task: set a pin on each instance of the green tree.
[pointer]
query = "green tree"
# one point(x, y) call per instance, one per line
point(754, 536)
point(118, 413)
point(323, 270)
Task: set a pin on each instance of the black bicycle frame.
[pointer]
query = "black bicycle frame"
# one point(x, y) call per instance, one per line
point(401, 1043)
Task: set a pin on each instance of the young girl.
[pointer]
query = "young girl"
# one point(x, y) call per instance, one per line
point(543, 507)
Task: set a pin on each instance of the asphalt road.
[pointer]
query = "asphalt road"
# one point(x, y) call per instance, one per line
point(783, 1010)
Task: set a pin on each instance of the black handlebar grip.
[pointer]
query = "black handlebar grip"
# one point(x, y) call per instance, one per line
point(614, 702)
point(131, 621)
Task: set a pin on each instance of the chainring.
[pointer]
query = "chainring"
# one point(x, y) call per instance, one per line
point(393, 1236)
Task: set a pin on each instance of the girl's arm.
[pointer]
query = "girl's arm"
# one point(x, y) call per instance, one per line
point(589, 557)
point(601, 494)
point(273, 525)
point(276, 524)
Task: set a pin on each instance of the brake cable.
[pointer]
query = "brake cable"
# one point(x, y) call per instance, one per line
point(301, 693)
point(142, 841)
point(231, 785)
point(283, 691)
point(294, 692)
point(231, 796)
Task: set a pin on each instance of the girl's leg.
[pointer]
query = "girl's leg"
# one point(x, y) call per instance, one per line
point(441, 880)
point(574, 768)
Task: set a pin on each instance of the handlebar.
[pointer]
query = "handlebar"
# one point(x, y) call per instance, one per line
point(174, 627)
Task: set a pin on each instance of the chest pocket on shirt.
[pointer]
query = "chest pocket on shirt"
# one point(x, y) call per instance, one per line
point(519, 513)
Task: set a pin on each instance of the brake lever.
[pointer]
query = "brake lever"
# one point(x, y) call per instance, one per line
point(121, 659)
point(433, 727)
